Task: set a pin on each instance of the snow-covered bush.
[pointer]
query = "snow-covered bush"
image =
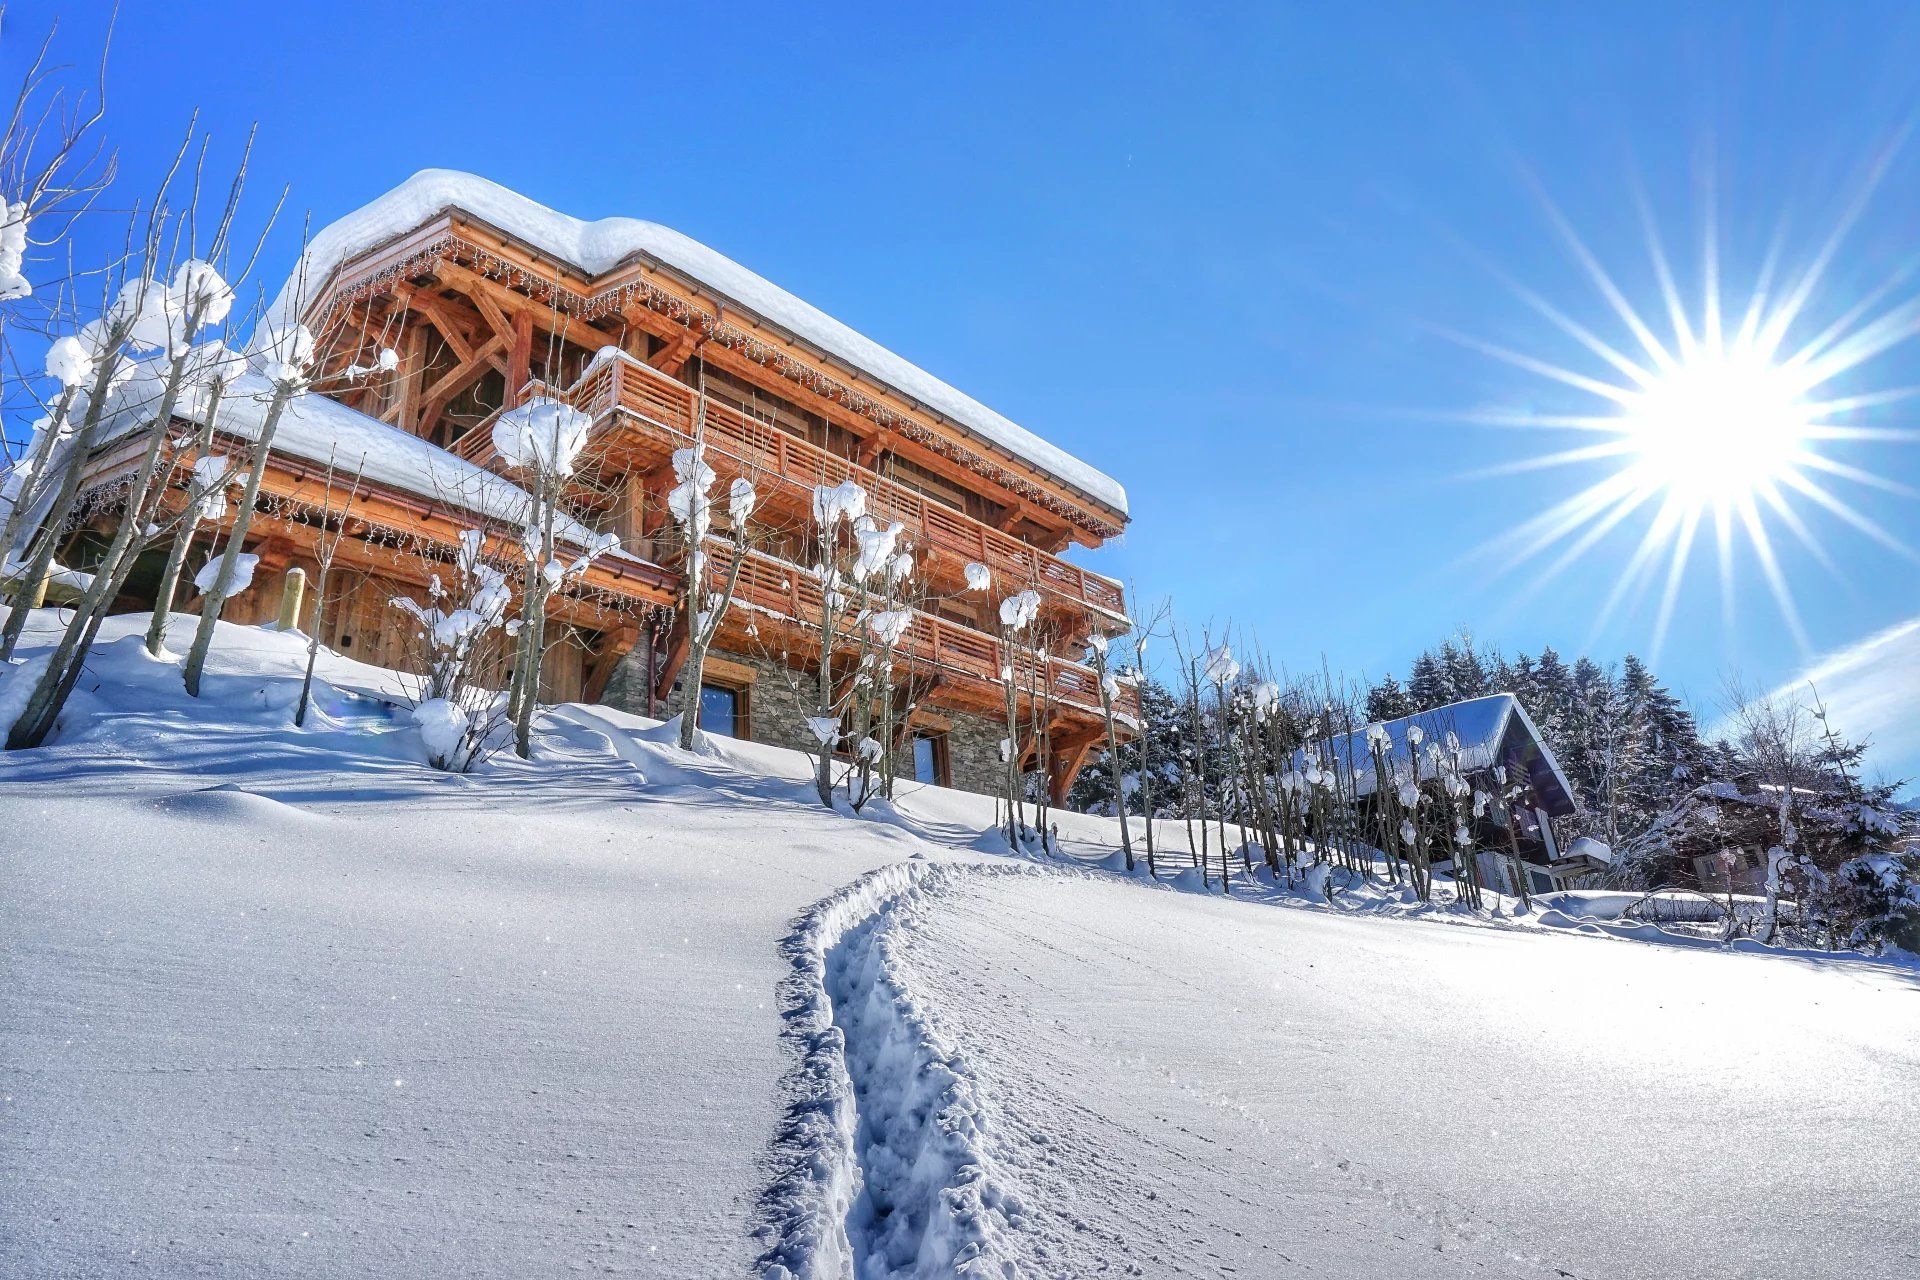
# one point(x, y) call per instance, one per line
point(1874, 901)
point(457, 659)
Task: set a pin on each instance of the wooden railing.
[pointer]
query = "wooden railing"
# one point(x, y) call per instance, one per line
point(663, 407)
point(790, 592)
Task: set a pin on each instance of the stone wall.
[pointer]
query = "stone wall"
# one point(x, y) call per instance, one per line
point(627, 684)
point(778, 711)
point(973, 751)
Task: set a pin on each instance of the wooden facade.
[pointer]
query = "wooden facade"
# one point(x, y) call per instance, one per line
point(483, 320)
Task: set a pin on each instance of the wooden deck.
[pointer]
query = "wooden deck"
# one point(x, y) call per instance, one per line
point(775, 589)
point(643, 412)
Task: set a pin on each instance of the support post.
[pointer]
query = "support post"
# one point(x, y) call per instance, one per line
point(293, 590)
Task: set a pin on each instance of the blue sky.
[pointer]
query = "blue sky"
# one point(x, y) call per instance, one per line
point(1216, 252)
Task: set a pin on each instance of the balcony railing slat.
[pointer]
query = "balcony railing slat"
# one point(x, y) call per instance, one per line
point(790, 591)
point(760, 447)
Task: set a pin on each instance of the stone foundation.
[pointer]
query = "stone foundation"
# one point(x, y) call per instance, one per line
point(777, 711)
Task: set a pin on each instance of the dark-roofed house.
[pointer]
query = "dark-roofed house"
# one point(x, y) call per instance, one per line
point(1493, 732)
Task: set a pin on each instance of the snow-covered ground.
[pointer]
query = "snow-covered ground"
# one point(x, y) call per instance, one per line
point(286, 1002)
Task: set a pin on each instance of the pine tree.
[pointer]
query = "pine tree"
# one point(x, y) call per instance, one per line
point(1672, 760)
point(1466, 672)
point(1388, 701)
point(1550, 699)
point(1427, 685)
point(1518, 678)
point(1162, 724)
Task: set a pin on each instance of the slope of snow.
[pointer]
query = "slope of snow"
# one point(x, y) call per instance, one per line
point(597, 247)
point(288, 1002)
point(1182, 1081)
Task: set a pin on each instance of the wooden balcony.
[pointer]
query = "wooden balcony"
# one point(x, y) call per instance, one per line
point(656, 413)
point(771, 588)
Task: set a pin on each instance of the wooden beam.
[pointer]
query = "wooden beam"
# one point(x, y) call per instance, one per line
point(578, 332)
point(275, 551)
point(679, 643)
point(519, 355)
point(673, 357)
point(614, 645)
point(491, 313)
point(436, 313)
point(403, 404)
point(1064, 767)
point(1008, 518)
point(456, 380)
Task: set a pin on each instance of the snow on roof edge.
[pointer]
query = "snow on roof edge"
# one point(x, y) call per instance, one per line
point(600, 246)
point(314, 427)
point(1438, 721)
point(1546, 751)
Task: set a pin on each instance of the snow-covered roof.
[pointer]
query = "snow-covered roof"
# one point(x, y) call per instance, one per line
point(1479, 724)
point(1591, 848)
point(598, 247)
point(314, 428)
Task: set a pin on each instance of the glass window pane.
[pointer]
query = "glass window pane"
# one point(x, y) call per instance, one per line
point(925, 767)
point(718, 708)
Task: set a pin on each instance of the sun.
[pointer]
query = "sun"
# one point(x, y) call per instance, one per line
point(1725, 424)
point(1718, 427)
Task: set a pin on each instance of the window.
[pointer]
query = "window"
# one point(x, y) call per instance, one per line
point(1541, 881)
point(930, 758)
point(723, 710)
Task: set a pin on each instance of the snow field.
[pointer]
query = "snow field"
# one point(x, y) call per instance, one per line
point(287, 1002)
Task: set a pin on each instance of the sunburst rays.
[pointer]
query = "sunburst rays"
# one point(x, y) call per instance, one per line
point(1720, 430)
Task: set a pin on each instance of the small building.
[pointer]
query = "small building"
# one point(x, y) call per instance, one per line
point(1491, 732)
point(488, 299)
point(1716, 839)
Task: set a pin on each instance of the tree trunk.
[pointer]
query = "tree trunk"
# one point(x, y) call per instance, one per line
point(1113, 756)
point(169, 586)
point(313, 638)
point(62, 505)
point(35, 465)
point(215, 600)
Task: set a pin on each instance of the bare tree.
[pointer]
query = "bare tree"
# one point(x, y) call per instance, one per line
point(1018, 613)
point(332, 531)
point(1777, 739)
point(54, 164)
point(542, 441)
point(851, 552)
point(705, 605)
point(1109, 691)
point(285, 359)
point(97, 359)
point(457, 659)
point(207, 483)
point(881, 679)
point(162, 315)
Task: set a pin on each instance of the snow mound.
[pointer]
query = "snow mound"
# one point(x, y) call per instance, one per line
point(226, 803)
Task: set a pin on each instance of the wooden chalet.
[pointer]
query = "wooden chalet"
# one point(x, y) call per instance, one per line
point(489, 299)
